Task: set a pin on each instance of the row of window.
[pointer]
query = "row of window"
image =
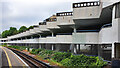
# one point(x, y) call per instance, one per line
point(85, 4)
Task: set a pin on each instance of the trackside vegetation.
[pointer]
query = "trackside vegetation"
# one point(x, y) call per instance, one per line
point(66, 59)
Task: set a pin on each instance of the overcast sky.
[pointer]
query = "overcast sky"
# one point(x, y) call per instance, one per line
point(17, 13)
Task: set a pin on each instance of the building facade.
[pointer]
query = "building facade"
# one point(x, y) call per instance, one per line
point(92, 28)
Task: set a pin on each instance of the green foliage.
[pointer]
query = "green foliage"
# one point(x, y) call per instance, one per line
point(12, 31)
point(67, 59)
point(59, 56)
point(22, 29)
point(35, 51)
point(31, 27)
point(83, 61)
point(5, 34)
point(18, 47)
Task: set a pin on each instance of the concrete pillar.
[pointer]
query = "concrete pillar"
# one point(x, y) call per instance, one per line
point(40, 46)
point(52, 47)
point(75, 49)
point(52, 34)
point(99, 50)
point(21, 38)
point(75, 31)
point(71, 48)
point(113, 50)
point(39, 35)
point(31, 37)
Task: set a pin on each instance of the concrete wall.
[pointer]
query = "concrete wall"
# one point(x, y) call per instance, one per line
point(43, 28)
point(52, 25)
point(64, 39)
point(88, 37)
point(42, 40)
point(51, 40)
point(63, 20)
point(105, 35)
point(87, 12)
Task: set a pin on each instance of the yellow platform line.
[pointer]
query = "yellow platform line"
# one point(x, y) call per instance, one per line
point(10, 65)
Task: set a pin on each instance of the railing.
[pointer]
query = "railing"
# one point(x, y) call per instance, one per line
point(86, 4)
point(65, 14)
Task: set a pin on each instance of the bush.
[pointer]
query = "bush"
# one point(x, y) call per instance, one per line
point(83, 61)
point(18, 47)
point(67, 59)
point(59, 56)
point(36, 51)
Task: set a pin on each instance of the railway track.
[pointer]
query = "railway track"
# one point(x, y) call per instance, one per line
point(32, 62)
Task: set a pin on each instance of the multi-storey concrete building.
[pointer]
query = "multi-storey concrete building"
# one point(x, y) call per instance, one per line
point(92, 28)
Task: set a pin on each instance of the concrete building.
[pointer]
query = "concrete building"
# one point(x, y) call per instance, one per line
point(92, 28)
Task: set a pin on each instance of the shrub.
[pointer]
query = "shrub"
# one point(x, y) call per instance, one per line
point(59, 56)
point(83, 61)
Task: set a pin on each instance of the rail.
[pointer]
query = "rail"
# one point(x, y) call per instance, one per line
point(32, 62)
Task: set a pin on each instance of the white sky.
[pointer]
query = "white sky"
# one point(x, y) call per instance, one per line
point(16, 13)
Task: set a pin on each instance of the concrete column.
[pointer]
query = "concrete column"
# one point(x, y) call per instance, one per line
point(52, 34)
point(72, 48)
point(99, 50)
point(113, 50)
point(52, 47)
point(40, 46)
point(39, 35)
point(31, 37)
point(75, 31)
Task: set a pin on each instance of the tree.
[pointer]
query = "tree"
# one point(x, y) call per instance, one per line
point(22, 29)
point(5, 33)
point(31, 27)
point(13, 31)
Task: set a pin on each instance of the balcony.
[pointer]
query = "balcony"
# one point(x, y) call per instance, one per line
point(43, 28)
point(67, 39)
point(42, 40)
point(86, 10)
point(105, 35)
point(51, 39)
point(37, 30)
point(65, 18)
point(52, 25)
point(32, 31)
point(86, 38)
